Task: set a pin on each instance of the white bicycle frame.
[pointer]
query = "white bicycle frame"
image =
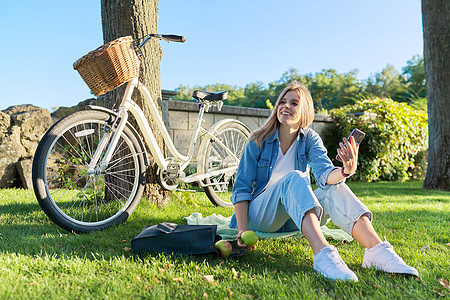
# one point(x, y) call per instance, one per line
point(128, 104)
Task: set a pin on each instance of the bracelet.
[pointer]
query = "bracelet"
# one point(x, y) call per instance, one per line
point(343, 173)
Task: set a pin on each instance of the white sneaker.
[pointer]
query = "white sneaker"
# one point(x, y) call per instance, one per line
point(328, 263)
point(383, 257)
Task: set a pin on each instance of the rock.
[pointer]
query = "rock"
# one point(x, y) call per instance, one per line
point(33, 124)
point(11, 150)
point(21, 129)
point(24, 169)
point(5, 122)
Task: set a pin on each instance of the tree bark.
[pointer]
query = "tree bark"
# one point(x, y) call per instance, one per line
point(138, 18)
point(436, 36)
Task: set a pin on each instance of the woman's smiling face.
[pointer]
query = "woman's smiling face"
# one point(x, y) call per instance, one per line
point(288, 111)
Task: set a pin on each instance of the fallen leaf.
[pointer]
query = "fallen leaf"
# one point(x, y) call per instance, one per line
point(393, 275)
point(210, 279)
point(444, 283)
point(138, 278)
point(179, 279)
point(205, 295)
point(147, 288)
point(425, 248)
point(230, 293)
point(289, 250)
point(448, 244)
point(235, 273)
point(161, 270)
point(123, 241)
point(33, 283)
point(271, 258)
point(79, 287)
point(127, 249)
point(377, 286)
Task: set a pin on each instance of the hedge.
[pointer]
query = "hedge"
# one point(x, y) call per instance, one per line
point(396, 142)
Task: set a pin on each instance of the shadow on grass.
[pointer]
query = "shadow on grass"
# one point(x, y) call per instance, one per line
point(28, 231)
point(20, 208)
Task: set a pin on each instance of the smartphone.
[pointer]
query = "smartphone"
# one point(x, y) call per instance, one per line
point(358, 135)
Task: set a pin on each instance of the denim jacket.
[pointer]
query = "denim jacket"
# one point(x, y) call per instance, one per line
point(256, 165)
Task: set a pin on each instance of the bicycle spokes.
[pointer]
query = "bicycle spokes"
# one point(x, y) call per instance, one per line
point(84, 191)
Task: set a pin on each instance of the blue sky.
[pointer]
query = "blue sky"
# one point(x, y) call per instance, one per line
point(233, 42)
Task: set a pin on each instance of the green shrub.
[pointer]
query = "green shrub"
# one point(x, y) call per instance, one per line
point(396, 142)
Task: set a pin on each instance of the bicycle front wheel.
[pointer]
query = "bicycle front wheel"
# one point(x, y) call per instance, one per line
point(82, 199)
point(233, 136)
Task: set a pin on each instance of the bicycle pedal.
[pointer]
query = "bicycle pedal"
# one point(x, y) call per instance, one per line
point(172, 171)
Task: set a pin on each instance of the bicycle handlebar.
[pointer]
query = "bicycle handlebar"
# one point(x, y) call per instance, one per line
point(174, 38)
point(166, 37)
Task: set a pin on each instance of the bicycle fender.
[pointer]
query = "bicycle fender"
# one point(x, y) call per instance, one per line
point(221, 122)
point(136, 134)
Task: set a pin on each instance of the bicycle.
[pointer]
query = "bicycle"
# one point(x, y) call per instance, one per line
point(89, 168)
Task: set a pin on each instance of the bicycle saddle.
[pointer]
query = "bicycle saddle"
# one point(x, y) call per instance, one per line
point(210, 96)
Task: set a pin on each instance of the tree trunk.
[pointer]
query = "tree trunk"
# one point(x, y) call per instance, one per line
point(138, 18)
point(436, 36)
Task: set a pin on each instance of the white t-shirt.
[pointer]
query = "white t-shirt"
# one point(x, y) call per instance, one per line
point(284, 164)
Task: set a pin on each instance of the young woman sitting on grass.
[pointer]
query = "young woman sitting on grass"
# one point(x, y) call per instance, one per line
point(272, 191)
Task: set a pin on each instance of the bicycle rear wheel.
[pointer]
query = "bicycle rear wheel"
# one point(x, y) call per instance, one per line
point(82, 200)
point(234, 136)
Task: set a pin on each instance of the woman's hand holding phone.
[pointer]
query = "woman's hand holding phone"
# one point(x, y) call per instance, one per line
point(348, 152)
point(358, 135)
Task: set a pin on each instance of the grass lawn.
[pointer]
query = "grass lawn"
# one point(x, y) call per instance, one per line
point(40, 260)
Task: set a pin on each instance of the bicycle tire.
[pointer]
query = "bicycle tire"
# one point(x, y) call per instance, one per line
point(79, 200)
point(218, 188)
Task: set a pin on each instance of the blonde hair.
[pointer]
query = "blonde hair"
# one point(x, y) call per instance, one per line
point(272, 123)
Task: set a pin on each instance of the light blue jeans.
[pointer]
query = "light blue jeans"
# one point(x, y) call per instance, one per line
point(282, 206)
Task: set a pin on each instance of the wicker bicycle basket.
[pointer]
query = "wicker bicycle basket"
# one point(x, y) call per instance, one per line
point(109, 66)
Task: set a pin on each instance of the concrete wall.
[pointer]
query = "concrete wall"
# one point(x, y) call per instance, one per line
point(180, 117)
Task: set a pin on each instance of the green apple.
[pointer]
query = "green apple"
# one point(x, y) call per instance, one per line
point(224, 248)
point(249, 238)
